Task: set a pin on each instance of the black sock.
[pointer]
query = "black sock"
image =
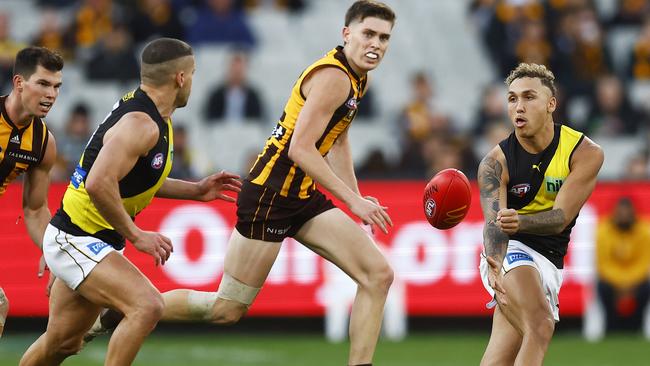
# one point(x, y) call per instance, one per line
point(363, 364)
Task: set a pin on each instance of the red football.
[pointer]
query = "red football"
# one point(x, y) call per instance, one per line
point(447, 197)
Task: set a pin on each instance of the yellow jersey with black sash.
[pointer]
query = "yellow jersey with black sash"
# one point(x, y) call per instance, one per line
point(77, 214)
point(20, 148)
point(273, 167)
point(535, 180)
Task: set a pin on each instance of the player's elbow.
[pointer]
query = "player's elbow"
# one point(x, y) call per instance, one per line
point(296, 152)
point(563, 222)
point(94, 186)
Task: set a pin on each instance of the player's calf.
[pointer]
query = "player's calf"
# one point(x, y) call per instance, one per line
point(226, 306)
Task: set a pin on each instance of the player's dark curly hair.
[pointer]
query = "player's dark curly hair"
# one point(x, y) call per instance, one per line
point(531, 70)
point(362, 9)
point(29, 58)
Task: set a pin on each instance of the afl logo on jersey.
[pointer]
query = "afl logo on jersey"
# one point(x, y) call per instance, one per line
point(157, 161)
point(520, 190)
point(351, 103)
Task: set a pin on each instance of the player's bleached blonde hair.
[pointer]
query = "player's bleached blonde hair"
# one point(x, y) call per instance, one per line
point(524, 70)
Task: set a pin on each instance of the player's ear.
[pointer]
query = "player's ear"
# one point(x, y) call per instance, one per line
point(346, 34)
point(552, 104)
point(18, 81)
point(180, 78)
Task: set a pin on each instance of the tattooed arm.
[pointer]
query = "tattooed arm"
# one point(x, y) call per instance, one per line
point(492, 178)
point(492, 185)
point(585, 164)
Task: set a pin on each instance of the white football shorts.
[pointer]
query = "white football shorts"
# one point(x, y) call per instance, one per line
point(72, 258)
point(519, 254)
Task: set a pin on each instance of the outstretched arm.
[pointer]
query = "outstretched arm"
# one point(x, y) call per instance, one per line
point(585, 164)
point(492, 179)
point(207, 189)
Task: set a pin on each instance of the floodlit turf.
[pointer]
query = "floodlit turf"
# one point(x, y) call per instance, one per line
point(311, 350)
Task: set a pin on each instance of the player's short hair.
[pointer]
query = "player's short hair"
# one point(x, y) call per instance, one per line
point(525, 70)
point(362, 9)
point(29, 58)
point(165, 49)
point(160, 59)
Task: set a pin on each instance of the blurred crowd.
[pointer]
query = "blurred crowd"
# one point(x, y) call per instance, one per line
point(570, 36)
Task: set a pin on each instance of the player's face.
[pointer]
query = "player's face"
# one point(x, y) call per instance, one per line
point(530, 105)
point(366, 43)
point(39, 92)
point(185, 90)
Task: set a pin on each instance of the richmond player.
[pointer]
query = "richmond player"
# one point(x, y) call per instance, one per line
point(532, 187)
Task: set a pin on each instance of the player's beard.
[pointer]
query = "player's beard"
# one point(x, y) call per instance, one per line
point(182, 98)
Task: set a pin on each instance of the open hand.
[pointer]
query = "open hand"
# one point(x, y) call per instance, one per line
point(371, 212)
point(155, 244)
point(213, 187)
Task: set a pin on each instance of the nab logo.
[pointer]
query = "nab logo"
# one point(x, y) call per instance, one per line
point(157, 161)
point(430, 208)
point(553, 185)
point(520, 190)
point(97, 247)
point(518, 256)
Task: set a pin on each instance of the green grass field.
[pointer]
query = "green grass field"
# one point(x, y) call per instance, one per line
point(312, 350)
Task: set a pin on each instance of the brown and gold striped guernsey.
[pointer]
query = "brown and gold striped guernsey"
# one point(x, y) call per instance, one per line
point(273, 167)
point(20, 148)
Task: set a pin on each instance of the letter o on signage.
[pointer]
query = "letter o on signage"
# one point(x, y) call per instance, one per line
point(404, 255)
point(215, 232)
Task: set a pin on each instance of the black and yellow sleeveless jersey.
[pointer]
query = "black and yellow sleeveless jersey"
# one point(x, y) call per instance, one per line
point(78, 215)
point(20, 148)
point(273, 167)
point(535, 180)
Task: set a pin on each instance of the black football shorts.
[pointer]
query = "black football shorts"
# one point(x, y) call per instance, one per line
point(263, 214)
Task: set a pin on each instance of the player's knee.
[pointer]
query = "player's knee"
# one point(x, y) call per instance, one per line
point(63, 347)
point(227, 312)
point(379, 278)
point(71, 348)
point(149, 309)
point(541, 327)
point(233, 299)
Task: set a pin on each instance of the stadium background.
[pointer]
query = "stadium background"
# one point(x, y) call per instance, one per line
point(448, 55)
